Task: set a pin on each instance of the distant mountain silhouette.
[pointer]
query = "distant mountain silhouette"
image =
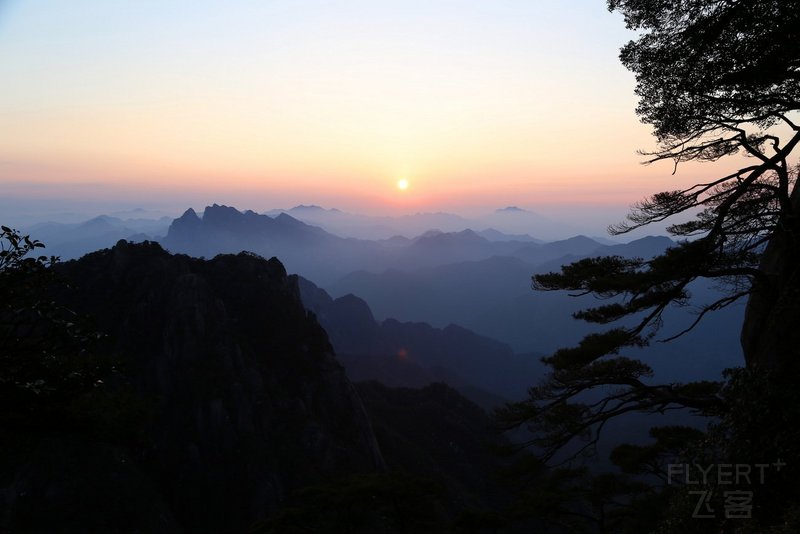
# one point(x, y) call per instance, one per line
point(373, 227)
point(72, 240)
point(502, 225)
point(646, 247)
point(317, 254)
point(495, 235)
point(493, 297)
point(468, 293)
point(461, 291)
point(511, 220)
point(538, 253)
point(515, 220)
point(581, 247)
point(453, 240)
point(304, 249)
point(312, 208)
point(440, 248)
point(413, 354)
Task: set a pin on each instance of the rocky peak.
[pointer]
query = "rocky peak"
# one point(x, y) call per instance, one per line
point(222, 216)
point(185, 224)
point(250, 401)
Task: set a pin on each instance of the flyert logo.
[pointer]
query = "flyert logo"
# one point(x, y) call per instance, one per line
point(737, 503)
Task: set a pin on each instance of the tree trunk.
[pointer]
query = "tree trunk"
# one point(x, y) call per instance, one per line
point(771, 330)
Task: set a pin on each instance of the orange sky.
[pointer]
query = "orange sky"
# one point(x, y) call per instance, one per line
point(477, 104)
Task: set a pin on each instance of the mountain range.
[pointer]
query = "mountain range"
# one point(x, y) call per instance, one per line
point(505, 221)
point(493, 297)
point(74, 239)
point(479, 280)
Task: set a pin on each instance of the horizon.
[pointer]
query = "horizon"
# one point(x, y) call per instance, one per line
point(532, 222)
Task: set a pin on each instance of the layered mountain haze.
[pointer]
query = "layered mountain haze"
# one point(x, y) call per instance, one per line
point(493, 297)
point(495, 235)
point(464, 291)
point(414, 354)
point(73, 240)
point(304, 249)
point(479, 280)
point(284, 231)
point(443, 278)
point(322, 256)
point(503, 224)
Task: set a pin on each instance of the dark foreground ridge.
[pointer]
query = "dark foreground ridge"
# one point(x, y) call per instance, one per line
point(245, 400)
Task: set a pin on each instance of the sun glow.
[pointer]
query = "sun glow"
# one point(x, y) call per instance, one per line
point(321, 102)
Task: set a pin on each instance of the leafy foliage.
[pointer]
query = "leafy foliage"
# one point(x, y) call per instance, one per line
point(45, 349)
point(702, 63)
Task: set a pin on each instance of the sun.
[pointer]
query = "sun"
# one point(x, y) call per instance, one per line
point(402, 184)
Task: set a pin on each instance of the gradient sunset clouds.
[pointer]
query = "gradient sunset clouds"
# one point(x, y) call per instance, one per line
point(269, 103)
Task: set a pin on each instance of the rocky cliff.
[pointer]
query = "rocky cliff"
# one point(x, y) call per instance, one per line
point(247, 401)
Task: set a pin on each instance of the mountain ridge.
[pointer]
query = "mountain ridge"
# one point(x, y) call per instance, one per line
point(249, 396)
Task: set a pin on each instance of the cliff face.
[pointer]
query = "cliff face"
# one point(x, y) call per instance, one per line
point(249, 402)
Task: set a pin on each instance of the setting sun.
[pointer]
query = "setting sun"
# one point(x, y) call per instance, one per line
point(402, 184)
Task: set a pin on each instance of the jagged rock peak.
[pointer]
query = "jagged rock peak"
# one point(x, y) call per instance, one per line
point(217, 213)
point(185, 223)
point(247, 392)
point(189, 215)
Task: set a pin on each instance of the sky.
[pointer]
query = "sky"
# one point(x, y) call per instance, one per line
point(267, 104)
